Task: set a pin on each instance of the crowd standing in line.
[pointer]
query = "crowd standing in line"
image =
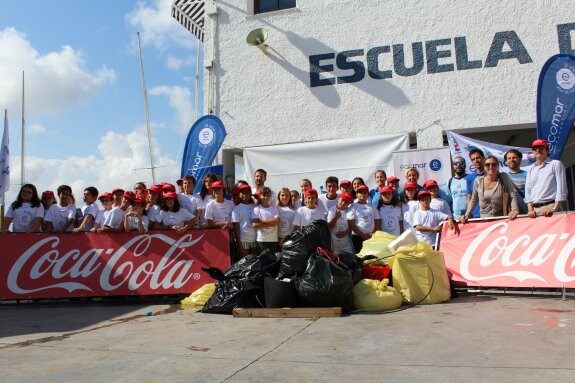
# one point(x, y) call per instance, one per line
point(259, 219)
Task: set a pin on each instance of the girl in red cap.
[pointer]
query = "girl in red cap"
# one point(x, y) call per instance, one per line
point(219, 211)
point(135, 218)
point(305, 215)
point(390, 212)
point(173, 216)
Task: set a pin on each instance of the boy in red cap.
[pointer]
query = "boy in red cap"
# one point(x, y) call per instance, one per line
point(244, 231)
point(427, 221)
point(305, 215)
point(437, 203)
point(338, 217)
point(115, 221)
point(366, 219)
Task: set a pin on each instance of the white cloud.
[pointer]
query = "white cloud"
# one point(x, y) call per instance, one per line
point(122, 161)
point(36, 128)
point(60, 79)
point(174, 63)
point(157, 26)
point(180, 99)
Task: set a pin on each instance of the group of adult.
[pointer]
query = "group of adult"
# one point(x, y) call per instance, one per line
point(488, 192)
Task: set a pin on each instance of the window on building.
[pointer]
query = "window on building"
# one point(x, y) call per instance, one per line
point(262, 6)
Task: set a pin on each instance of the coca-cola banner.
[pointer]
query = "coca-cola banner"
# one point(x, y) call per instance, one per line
point(525, 252)
point(89, 264)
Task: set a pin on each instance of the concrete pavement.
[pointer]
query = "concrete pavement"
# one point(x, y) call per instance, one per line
point(473, 338)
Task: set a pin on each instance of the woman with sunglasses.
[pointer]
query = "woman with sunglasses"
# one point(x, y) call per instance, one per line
point(494, 192)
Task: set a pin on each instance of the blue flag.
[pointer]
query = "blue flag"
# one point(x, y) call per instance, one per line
point(202, 145)
point(5, 159)
point(556, 102)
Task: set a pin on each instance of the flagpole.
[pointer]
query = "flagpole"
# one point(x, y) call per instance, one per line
point(22, 170)
point(152, 167)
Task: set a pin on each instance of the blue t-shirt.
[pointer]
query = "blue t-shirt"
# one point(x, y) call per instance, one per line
point(519, 181)
point(470, 181)
point(458, 192)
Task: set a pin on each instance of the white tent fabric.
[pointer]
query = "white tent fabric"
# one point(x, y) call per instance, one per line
point(287, 164)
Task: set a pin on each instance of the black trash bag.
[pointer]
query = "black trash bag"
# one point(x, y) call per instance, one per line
point(325, 284)
point(353, 264)
point(242, 285)
point(232, 293)
point(299, 245)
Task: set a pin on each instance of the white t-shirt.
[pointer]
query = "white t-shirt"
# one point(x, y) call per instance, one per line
point(101, 217)
point(91, 209)
point(116, 219)
point(428, 218)
point(60, 215)
point(287, 215)
point(327, 203)
point(219, 211)
point(188, 202)
point(305, 216)
point(24, 216)
point(440, 205)
point(266, 234)
point(365, 216)
point(390, 219)
point(133, 222)
point(242, 214)
point(407, 210)
point(153, 213)
point(343, 244)
point(201, 205)
point(175, 218)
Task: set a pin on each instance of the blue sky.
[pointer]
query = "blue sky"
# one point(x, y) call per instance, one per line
point(85, 119)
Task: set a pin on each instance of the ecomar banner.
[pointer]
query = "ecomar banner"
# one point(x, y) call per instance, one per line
point(90, 265)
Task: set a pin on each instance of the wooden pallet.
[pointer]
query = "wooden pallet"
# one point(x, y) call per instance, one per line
point(297, 312)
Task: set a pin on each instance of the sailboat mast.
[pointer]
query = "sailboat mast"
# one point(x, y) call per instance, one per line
point(22, 170)
point(152, 167)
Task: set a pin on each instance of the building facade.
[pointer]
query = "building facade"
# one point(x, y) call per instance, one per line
point(332, 69)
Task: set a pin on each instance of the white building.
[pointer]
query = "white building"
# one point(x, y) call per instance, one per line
point(333, 69)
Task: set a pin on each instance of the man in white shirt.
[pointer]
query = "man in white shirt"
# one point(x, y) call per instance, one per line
point(546, 183)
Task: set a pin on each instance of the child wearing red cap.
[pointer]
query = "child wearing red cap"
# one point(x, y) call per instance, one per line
point(135, 218)
point(115, 221)
point(219, 211)
point(409, 204)
point(106, 199)
point(305, 215)
point(338, 217)
point(437, 203)
point(366, 218)
point(173, 216)
point(427, 221)
point(390, 212)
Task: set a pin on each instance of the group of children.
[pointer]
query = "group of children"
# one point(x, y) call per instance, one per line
point(258, 218)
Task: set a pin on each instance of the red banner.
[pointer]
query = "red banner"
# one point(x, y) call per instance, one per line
point(526, 252)
point(90, 265)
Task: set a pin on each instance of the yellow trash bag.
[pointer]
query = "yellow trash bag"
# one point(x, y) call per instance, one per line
point(415, 269)
point(373, 295)
point(377, 246)
point(200, 296)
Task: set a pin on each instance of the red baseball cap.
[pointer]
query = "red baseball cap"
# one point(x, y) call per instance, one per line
point(217, 185)
point(114, 191)
point(423, 194)
point(105, 195)
point(346, 197)
point(157, 188)
point(140, 200)
point(48, 193)
point(168, 188)
point(362, 188)
point(243, 187)
point(410, 185)
point(386, 189)
point(345, 182)
point(430, 183)
point(170, 195)
point(392, 179)
point(310, 192)
point(539, 142)
point(130, 195)
point(235, 191)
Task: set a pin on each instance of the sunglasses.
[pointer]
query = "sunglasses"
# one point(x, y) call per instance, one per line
point(538, 148)
point(491, 164)
point(459, 163)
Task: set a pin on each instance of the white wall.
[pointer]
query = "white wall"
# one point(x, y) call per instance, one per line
point(267, 99)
